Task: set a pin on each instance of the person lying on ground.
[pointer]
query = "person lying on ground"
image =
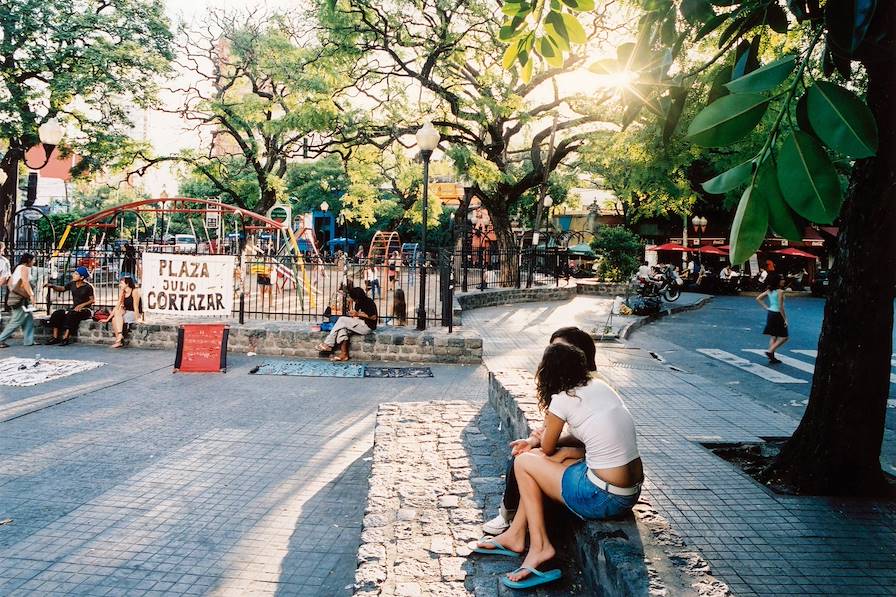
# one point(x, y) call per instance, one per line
point(584, 342)
point(128, 310)
point(66, 321)
point(361, 320)
point(604, 485)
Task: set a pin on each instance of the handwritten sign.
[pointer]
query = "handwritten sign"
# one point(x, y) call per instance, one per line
point(202, 348)
point(196, 285)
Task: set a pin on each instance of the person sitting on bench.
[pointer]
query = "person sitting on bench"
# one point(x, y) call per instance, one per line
point(361, 320)
point(66, 321)
point(129, 309)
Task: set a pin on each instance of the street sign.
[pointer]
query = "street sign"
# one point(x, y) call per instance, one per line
point(281, 212)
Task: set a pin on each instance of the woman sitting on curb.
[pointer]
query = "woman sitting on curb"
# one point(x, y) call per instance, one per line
point(604, 485)
point(583, 341)
point(361, 320)
point(128, 310)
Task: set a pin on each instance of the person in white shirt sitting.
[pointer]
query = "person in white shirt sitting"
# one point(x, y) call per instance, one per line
point(605, 484)
point(645, 272)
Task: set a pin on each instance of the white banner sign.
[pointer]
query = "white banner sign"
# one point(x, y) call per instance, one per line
point(194, 285)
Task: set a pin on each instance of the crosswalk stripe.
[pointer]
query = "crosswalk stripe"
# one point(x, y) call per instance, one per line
point(748, 366)
point(789, 361)
point(814, 355)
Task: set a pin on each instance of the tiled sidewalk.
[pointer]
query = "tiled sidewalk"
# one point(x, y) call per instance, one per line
point(757, 542)
point(158, 484)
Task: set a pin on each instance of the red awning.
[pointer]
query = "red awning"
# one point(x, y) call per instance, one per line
point(711, 250)
point(791, 252)
point(669, 247)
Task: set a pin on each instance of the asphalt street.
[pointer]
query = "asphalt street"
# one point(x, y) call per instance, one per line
point(723, 341)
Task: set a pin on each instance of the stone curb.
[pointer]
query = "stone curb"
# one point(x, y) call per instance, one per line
point(636, 556)
point(625, 332)
point(290, 339)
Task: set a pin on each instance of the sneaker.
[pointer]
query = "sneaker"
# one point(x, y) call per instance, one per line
point(4, 345)
point(64, 342)
point(499, 523)
point(52, 341)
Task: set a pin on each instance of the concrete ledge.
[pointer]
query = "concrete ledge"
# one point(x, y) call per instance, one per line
point(634, 556)
point(282, 338)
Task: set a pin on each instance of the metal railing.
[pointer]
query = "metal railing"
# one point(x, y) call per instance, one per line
point(485, 267)
point(274, 287)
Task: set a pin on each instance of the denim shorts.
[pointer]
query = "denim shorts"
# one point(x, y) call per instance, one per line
point(587, 500)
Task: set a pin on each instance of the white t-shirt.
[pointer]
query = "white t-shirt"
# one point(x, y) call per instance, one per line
point(644, 271)
point(597, 417)
point(16, 276)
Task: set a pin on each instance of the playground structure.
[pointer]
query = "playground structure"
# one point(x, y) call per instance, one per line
point(382, 245)
point(83, 244)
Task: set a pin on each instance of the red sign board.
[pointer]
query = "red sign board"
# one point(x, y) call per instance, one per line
point(202, 348)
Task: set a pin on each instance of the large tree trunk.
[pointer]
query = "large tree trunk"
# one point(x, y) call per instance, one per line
point(509, 273)
point(8, 193)
point(836, 449)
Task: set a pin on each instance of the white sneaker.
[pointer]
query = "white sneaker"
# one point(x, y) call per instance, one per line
point(499, 523)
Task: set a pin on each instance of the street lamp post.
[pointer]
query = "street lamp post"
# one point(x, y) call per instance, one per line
point(427, 140)
point(50, 134)
point(699, 224)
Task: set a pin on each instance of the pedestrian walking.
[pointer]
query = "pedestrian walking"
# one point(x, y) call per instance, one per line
point(776, 319)
point(20, 297)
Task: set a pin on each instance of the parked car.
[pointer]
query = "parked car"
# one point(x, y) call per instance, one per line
point(185, 243)
point(821, 283)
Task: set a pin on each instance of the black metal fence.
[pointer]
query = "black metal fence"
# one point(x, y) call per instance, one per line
point(270, 287)
point(486, 267)
point(312, 287)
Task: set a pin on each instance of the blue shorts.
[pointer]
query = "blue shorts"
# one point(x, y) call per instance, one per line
point(587, 500)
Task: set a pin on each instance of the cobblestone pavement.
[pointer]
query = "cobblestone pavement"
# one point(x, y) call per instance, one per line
point(757, 542)
point(437, 474)
point(144, 482)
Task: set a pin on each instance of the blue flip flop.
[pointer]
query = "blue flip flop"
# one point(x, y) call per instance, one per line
point(499, 549)
point(535, 578)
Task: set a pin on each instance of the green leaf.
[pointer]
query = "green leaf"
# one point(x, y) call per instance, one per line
point(730, 179)
point(848, 22)
point(808, 179)
point(607, 66)
point(776, 18)
point(711, 25)
point(526, 73)
point(841, 120)
point(727, 120)
point(511, 53)
point(512, 9)
point(718, 89)
point(574, 28)
point(767, 77)
point(554, 26)
point(673, 114)
point(749, 226)
point(780, 217)
point(624, 54)
point(667, 32)
point(747, 57)
point(510, 28)
point(580, 5)
point(802, 115)
point(696, 11)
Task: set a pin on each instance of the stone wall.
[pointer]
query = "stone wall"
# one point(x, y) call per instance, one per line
point(279, 338)
point(477, 299)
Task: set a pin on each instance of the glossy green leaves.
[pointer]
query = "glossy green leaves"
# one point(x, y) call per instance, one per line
point(730, 179)
point(808, 179)
point(841, 120)
point(780, 217)
point(764, 78)
point(749, 226)
point(727, 119)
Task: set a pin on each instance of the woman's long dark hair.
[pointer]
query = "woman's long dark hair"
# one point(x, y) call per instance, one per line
point(129, 282)
point(562, 368)
point(773, 281)
point(26, 259)
point(356, 293)
point(581, 340)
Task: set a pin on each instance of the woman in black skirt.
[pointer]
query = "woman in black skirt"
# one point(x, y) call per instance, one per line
point(776, 319)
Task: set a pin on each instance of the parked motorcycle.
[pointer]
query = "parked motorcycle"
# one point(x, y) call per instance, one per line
point(667, 286)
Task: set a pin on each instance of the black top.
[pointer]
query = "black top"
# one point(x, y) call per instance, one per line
point(80, 295)
point(129, 302)
point(369, 307)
